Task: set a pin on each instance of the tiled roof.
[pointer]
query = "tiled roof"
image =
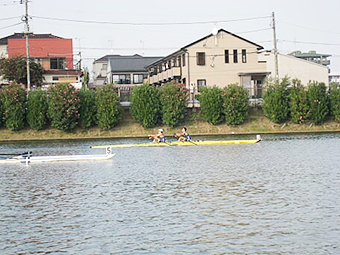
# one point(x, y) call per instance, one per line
point(135, 63)
point(31, 35)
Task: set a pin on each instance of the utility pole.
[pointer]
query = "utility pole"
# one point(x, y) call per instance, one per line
point(275, 49)
point(27, 30)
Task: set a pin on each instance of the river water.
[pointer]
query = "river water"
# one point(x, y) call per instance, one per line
point(280, 196)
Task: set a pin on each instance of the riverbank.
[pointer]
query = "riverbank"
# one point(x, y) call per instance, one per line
point(127, 128)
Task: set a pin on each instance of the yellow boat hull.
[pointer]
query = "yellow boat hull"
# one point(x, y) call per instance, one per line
point(224, 142)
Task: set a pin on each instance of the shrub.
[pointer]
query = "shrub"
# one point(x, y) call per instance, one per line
point(235, 104)
point(275, 97)
point(88, 109)
point(173, 99)
point(1, 110)
point(37, 108)
point(63, 107)
point(318, 102)
point(334, 98)
point(146, 106)
point(299, 109)
point(108, 107)
point(14, 103)
point(212, 105)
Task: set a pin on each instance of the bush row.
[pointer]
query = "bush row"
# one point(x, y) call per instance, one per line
point(288, 100)
point(62, 106)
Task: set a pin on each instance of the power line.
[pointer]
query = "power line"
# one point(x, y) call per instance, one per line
point(310, 28)
point(149, 24)
point(11, 25)
point(17, 17)
point(316, 43)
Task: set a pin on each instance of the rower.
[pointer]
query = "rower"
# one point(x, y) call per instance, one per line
point(184, 136)
point(159, 137)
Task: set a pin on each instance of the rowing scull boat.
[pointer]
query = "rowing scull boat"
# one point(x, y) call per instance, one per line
point(177, 143)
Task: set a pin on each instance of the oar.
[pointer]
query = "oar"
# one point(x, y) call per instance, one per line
point(15, 154)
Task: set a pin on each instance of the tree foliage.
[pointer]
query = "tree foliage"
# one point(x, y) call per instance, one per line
point(334, 96)
point(211, 102)
point(275, 97)
point(15, 70)
point(14, 103)
point(318, 102)
point(37, 108)
point(173, 99)
point(299, 109)
point(235, 104)
point(1, 110)
point(108, 107)
point(63, 106)
point(146, 106)
point(88, 108)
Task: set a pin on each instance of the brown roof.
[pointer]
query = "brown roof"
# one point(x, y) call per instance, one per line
point(4, 40)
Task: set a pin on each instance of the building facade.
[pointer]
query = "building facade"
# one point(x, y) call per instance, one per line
point(55, 54)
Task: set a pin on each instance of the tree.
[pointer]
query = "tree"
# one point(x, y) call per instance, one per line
point(318, 102)
point(109, 111)
point(63, 106)
point(173, 99)
point(235, 104)
point(37, 107)
point(212, 105)
point(88, 108)
point(14, 70)
point(146, 106)
point(299, 109)
point(275, 97)
point(14, 102)
point(334, 96)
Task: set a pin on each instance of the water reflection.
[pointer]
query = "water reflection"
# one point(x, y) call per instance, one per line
point(279, 196)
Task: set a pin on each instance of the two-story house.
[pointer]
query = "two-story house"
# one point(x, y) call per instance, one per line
point(54, 53)
point(220, 58)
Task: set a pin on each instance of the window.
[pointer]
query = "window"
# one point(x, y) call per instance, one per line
point(235, 56)
point(138, 78)
point(179, 60)
point(55, 78)
point(201, 84)
point(201, 58)
point(121, 79)
point(57, 63)
point(183, 57)
point(244, 56)
point(226, 56)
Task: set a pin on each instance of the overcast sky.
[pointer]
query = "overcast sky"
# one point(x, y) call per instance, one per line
point(158, 28)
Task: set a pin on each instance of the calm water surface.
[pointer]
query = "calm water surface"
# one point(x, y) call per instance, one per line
point(280, 196)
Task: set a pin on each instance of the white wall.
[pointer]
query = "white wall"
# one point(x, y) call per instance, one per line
point(293, 67)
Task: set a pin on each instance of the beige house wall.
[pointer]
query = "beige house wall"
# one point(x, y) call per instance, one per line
point(293, 67)
point(216, 71)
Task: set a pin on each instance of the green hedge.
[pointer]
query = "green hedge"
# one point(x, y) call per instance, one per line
point(109, 111)
point(275, 97)
point(299, 109)
point(235, 104)
point(146, 106)
point(37, 108)
point(14, 103)
point(63, 106)
point(211, 102)
point(88, 108)
point(174, 100)
point(318, 102)
point(2, 110)
point(334, 98)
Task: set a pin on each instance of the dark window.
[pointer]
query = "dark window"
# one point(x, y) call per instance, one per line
point(226, 56)
point(57, 63)
point(183, 59)
point(201, 58)
point(244, 56)
point(121, 78)
point(179, 60)
point(55, 78)
point(235, 56)
point(201, 84)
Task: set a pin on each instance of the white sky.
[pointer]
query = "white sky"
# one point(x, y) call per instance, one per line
point(301, 24)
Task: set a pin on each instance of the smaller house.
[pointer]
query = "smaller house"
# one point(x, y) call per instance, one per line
point(124, 72)
point(312, 56)
point(334, 78)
